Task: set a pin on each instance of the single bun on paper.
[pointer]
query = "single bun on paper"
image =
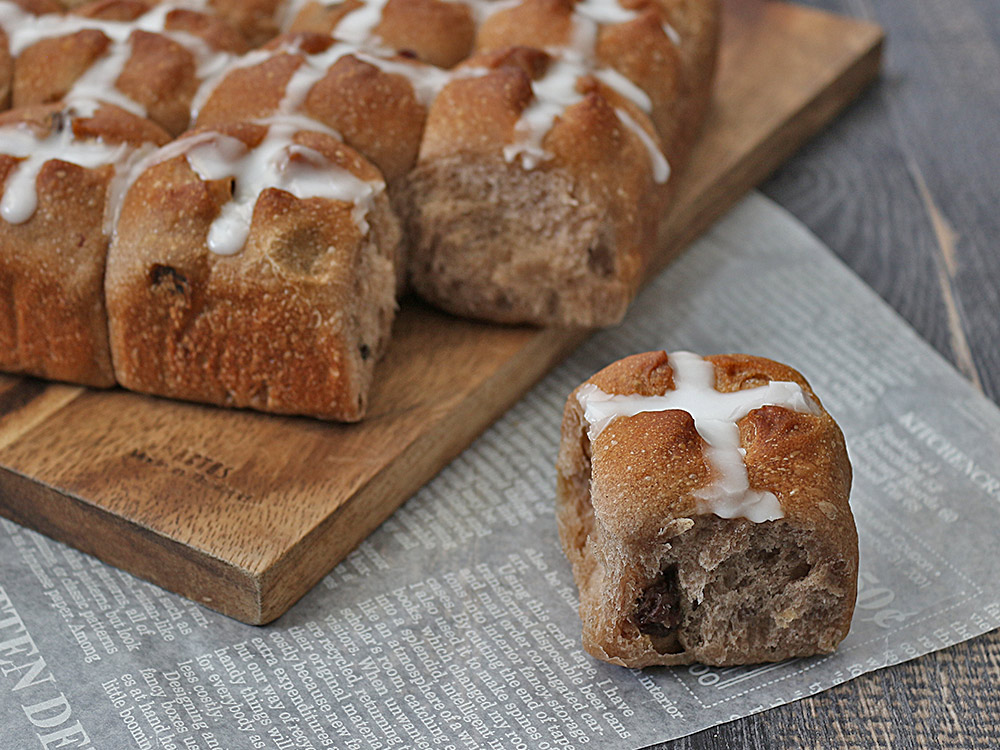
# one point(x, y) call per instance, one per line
point(703, 505)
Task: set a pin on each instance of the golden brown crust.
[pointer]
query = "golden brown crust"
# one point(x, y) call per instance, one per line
point(628, 516)
point(256, 20)
point(587, 272)
point(292, 323)
point(249, 93)
point(52, 320)
point(214, 31)
point(532, 23)
point(436, 31)
point(112, 10)
point(243, 22)
point(317, 17)
point(34, 7)
point(38, 7)
point(160, 74)
point(376, 112)
point(46, 70)
point(478, 113)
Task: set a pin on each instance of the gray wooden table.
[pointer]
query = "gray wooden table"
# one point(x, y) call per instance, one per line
point(905, 187)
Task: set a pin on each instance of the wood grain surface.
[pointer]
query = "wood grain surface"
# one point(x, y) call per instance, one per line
point(245, 512)
point(905, 187)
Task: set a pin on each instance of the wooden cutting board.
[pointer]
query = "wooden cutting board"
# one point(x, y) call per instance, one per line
point(245, 512)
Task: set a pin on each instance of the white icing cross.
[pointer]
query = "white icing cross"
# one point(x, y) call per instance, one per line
point(553, 93)
point(426, 80)
point(20, 193)
point(556, 91)
point(276, 162)
point(715, 417)
point(98, 81)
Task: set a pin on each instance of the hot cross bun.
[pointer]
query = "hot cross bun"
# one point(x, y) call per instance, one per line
point(703, 505)
point(63, 171)
point(253, 266)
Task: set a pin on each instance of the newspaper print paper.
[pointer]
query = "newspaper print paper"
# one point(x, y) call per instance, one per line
point(455, 625)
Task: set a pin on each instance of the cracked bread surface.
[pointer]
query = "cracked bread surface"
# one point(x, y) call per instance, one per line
point(662, 583)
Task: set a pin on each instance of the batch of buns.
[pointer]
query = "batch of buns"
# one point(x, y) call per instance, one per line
point(222, 200)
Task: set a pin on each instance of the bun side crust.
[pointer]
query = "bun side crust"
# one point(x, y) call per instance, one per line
point(562, 243)
point(662, 582)
point(293, 323)
point(53, 322)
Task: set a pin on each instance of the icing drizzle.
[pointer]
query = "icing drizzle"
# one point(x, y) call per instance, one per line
point(20, 192)
point(553, 93)
point(556, 91)
point(426, 80)
point(276, 162)
point(98, 82)
point(715, 417)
